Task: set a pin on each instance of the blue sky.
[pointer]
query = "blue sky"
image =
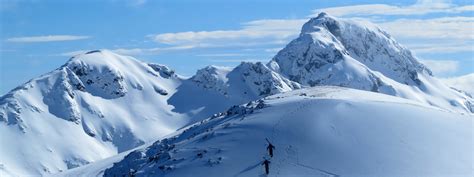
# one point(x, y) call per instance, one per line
point(39, 36)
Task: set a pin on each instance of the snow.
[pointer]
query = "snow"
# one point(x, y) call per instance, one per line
point(111, 104)
point(320, 131)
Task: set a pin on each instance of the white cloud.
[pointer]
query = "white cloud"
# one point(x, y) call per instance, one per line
point(441, 47)
point(439, 28)
point(72, 53)
point(237, 60)
point(133, 51)
point(221, 55)
point(441, 67)
point(259, 31)
point(50, 38)
point(273, 50)
point(465, 83)
point(420, 8)
point(150, 51)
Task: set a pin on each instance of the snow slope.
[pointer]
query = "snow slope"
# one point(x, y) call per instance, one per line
point(321, 131)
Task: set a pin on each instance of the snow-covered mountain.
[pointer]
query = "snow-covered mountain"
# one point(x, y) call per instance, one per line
point(320, 131)
point(91, 108)
point(215, 89)
point(331, 51)
point(113, 103)
point(100, 103)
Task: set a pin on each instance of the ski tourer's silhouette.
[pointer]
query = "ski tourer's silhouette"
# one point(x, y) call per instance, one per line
point(266, 163)
point(270, 148)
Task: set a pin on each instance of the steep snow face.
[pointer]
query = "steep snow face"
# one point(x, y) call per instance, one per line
point(99, 100)
point(331, 51)
point(320, 131)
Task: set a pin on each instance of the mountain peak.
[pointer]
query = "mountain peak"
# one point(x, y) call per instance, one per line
point(323, 20)
point(322, 14)
point(98, 57)
point(326, 40)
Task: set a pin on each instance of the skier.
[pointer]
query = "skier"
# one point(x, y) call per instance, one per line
point(266, 163)
point(270, 148)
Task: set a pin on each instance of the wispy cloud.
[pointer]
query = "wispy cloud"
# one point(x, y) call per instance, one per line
point(438, 28)
point(275, 31)
point(49, 38)
point(221, 55)
point(442, 67)
point(150, 51)
point(441, 47)
point(132, 51)
point(464, 83)
point(72, 53)
point(273, 50)
point(421, 7)
point(237, 60)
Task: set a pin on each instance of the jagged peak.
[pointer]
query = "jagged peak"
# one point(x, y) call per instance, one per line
point(212, 77)
point(217, 72)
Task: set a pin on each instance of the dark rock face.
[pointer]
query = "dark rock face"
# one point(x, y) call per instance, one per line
point(103, 82)
point(164, 71)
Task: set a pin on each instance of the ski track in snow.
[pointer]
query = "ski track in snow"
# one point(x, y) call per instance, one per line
point(289, 149)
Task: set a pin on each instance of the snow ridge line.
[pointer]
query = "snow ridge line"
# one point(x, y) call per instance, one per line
point(301, 106)
point(274, 130)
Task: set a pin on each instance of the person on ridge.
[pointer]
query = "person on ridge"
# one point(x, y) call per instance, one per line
point(270, 148)
point(266, 163)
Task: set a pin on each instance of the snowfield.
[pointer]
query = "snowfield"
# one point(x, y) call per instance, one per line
point(321, 131)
